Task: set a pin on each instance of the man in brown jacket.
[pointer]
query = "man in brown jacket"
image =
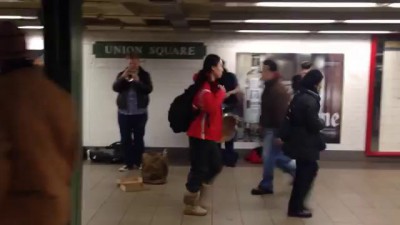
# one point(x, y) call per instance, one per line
point(274, 104)
point(38, 139)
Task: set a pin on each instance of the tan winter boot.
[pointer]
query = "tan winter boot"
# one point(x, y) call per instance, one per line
point(192, 207)
point(206, 196)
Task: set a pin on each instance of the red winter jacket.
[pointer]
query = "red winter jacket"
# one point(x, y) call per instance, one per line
point(208, 125)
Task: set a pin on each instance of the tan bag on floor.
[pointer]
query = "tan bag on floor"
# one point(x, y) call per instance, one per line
point(155, 167)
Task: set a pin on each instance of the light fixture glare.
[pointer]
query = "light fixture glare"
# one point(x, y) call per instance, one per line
point(373, 21)
point(354, 32)
point(318, 4)
point(283, 21)
point(275, 31)
point(31, 27)
point(15, 17)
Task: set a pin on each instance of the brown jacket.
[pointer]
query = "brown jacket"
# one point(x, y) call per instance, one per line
point(38, 146)
point(274, 103)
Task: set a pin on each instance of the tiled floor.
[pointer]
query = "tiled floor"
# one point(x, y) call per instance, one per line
point(369, 195)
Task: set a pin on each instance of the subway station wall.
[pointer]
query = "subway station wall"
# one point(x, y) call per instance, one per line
point(170, 77)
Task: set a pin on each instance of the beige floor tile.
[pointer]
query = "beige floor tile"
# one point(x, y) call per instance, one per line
point(113, 209)
point(279, 217)
point(319, 216)
point(341, 215)
point(195, 220)
point(256, 216)
point(349, 224)
point(339, 197)
point(137, 214)
point(168, 216)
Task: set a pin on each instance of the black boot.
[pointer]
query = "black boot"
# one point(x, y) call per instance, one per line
point(260, 191)
point(300, 214)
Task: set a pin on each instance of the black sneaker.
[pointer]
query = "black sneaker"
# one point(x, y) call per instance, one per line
point(301, 214)
point(124, 168)
point(260, 191)
point(137, 167)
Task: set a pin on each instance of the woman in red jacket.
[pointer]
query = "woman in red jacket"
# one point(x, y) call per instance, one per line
point(204, 134)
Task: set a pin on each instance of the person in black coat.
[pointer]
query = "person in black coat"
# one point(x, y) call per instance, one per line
point(303, 140)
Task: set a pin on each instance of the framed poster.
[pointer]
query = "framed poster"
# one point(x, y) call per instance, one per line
point(249, 67)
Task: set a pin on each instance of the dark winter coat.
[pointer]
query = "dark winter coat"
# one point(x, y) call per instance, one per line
point(143, 88)
point(274, 103)
point(304, 139)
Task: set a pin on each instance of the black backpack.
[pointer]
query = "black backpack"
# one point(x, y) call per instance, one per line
point(112, 154)
point(181, 112)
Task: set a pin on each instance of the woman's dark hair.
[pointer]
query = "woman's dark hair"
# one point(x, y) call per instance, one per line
point(209, 62)
point(296, 82)
point(273, 67)
point(312, 79)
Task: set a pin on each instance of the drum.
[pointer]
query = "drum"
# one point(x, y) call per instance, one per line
point(229, 126)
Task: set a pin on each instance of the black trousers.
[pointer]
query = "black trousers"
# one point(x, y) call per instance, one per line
point(205, 161)
point(306, 171)
point(133, 149)
point(229, 155)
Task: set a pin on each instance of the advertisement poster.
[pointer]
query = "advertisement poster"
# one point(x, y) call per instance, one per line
point(248, 71)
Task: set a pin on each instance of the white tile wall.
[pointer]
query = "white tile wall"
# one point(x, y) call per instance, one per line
point(170, 77)
point(389, 140)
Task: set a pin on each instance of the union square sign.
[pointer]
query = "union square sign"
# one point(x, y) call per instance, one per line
point(150, 50)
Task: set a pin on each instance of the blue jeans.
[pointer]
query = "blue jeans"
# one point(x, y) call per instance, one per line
point(273, 156)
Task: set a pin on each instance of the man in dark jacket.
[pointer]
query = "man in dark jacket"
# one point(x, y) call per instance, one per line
point(133, 86)
point(303, 140)
point(274, 104)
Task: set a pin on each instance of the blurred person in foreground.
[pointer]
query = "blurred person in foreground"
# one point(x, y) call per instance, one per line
point(38, 139)
point(303, 140)
point(274, 103)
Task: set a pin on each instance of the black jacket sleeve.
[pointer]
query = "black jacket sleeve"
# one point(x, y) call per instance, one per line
point(145, 84)
point(235, 81)
point(314, 123)
point(120, 84)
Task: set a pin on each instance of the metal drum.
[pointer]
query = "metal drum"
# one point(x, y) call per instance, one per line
point(229, 126)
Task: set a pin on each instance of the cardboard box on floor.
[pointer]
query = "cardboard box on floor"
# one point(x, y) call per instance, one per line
point(131, 184)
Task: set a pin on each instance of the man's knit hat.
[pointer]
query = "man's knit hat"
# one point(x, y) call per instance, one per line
point(312, 79)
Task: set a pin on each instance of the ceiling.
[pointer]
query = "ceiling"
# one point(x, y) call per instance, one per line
point(222, 15)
